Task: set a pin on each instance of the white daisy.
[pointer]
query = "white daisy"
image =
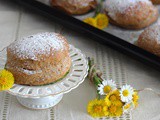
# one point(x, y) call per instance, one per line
point(106, 87)
point(126, 93)
point(128, 107)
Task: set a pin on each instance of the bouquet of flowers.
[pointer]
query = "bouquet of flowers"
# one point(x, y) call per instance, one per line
point(111, 101)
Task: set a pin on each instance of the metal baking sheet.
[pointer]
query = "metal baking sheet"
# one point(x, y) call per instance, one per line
point(117, 38)
point(130, 36)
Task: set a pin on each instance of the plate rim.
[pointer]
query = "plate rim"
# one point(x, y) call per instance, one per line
point(86, 68)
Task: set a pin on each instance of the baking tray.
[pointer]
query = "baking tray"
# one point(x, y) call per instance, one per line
point(107, 36)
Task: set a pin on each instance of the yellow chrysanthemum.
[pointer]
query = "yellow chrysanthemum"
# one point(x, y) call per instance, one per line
point(115, 111)
point(101, 21)
point(6, 80)
point(135, 104)
point(114, 104)
point(107, 101)
point(90, 21)
point(113, 96)
point(118, 103)
point(127, 107)
point(135, 99)
point(105, 109)
point(96, 108)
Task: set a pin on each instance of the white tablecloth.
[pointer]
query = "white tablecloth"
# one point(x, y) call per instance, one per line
point(16, 22)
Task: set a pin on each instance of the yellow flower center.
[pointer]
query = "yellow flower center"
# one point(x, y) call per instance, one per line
point(127, 106)
point(100, 22)
point(113, 109)
point(113, 98)
point(97, 108)
point(3, 81)
point(125, 93)
point(107, 89)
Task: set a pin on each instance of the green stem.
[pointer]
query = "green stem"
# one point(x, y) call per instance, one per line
point(99, 8)
point(96, 79)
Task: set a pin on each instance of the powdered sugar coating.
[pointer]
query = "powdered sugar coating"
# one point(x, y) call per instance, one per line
point(114, 6)
point(152, 33)
point(42, 43)
point(31, 72)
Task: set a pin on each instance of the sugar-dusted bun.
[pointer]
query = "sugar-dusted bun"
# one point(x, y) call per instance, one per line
point(131, 14)
point(150, 40)
point(74, 7)
point(38, 59)
point(155, 1)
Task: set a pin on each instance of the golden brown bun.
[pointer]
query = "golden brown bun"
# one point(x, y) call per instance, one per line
point(155, 1)
point(39, 59)
point(150, 40)
point(136, 16)
point(74, 7)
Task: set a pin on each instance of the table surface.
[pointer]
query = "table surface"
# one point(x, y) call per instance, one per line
point(16, 22)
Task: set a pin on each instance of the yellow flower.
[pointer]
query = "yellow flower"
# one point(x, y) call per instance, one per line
point(6, 80)
point(90, 21)
point(135, 96)
point(114, 104)
point(107, 101)
point(127, 107)
point(135, 99)
point(118, 103)
point(115, 111)
point(113, 96)
point(96, 108)
point(105, 109)
point(101, 21)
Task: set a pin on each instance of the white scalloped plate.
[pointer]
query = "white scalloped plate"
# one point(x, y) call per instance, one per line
point(76, 75)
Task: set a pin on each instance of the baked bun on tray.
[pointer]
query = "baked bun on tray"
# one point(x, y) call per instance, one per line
point(74, 7)
point(150, 40)
point(155, 1)
point(131, 14)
